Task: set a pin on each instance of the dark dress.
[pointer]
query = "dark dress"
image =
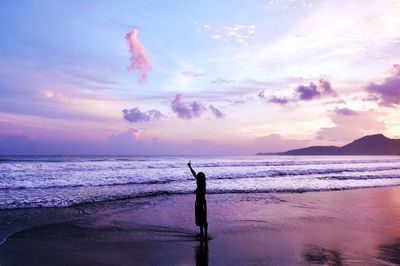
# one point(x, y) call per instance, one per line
point(200, 207)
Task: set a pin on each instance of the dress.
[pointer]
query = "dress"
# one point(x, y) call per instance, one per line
point(200, 207)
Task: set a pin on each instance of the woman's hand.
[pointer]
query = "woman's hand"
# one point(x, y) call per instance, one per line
point(189, 164)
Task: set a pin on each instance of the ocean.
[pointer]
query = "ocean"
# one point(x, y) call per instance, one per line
point(60, 181)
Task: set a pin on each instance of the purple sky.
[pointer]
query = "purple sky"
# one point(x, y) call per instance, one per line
point(177, 77)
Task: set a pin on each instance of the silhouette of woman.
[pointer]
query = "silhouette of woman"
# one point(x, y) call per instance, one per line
point(200, 206)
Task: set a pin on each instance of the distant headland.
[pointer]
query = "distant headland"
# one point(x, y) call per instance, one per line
point(377, 144)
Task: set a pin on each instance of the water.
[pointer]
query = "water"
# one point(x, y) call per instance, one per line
point(57, 181)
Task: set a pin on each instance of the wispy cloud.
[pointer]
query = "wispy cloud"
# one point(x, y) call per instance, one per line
point(186, 74)
point(138, 60)
point(134, 115)
point(239, 33)
point(283, 5)
point(221, 81)
point(332, 39)
point(192, 74)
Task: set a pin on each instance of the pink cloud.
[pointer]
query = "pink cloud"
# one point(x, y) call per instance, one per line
point(275, 143)
point(350, 125)
point(138, 60)
point(131, 134)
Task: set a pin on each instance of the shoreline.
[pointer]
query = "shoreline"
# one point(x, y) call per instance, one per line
point(346, 226)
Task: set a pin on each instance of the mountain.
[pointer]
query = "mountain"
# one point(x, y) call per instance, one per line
point(369, 145)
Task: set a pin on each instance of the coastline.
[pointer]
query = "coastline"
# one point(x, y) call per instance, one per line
point(335, 227)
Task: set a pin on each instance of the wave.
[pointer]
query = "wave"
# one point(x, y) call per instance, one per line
point(51, 186)
point(129, 180)
point(88, 179)
point(278, 163)
point(361, 177)
point(303, 172)
point(114, 198)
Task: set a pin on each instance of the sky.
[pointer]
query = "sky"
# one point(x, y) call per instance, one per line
point(196, 77)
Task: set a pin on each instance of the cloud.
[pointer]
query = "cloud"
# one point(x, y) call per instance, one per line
point(284, 5)
point(273, 99)
point(138, 60)
point(192, 74)
point(345, 111)
point(132, 134)
point(342, 49)
point(186, 110)
point(134, 115)
point(218, 114)
point(221, 81)
point(197, 108)
point(238, 32)
point(235, 102)
point(395, 70)
point(388, 92)
point(261, 94)
point(326, 87)
point(278, 100)
point(306, 93)
point(350, 125)
point(189, 110)
point(275, 143)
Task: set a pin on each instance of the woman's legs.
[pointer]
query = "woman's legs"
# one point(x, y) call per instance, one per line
point(201, 217)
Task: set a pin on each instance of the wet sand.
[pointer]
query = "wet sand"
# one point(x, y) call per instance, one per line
point(354, 227)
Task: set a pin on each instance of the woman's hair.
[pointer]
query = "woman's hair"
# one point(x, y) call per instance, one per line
point(201, 179)
point(201, 175)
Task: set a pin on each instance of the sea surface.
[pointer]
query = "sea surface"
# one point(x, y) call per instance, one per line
point(58, 181)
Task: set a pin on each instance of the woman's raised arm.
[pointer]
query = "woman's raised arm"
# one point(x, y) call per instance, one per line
point(191, 169)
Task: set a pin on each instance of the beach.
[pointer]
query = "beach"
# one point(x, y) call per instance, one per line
point(351, 227)
point(261, 132)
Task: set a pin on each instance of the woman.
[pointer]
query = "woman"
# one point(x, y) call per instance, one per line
point(200, 206)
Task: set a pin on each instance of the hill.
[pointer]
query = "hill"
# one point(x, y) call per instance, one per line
point(369, 145)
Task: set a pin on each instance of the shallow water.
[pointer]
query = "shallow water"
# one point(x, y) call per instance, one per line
point(358, 227)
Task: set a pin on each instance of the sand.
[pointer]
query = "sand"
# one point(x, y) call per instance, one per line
point(353, 227)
